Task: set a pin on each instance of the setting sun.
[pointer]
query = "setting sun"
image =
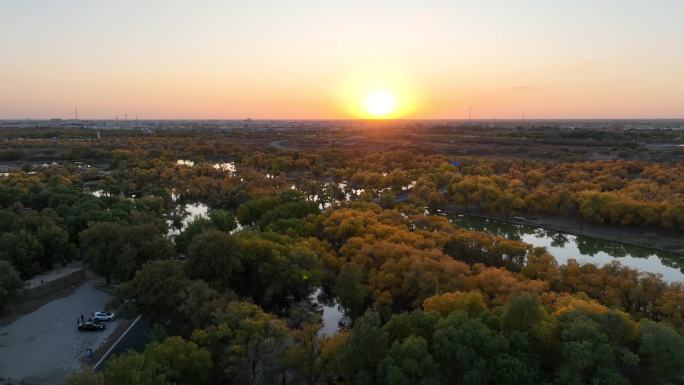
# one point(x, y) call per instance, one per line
point(380, 104)
point(383, 92)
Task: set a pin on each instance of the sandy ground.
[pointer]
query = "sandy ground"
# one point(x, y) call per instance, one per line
point(43, 346)
point(54, 274)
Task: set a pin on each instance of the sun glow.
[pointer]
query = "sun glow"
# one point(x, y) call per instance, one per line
point(379, 94)
point(380, 104)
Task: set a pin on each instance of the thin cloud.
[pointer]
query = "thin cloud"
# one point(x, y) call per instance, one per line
point(584, 65)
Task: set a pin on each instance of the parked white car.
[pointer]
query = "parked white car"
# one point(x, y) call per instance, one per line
point(103, 316)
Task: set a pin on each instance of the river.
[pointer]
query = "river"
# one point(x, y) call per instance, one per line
point(584, 249)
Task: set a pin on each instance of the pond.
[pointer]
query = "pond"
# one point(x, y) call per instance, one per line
point(332, 313)
point(228, 167)
point(584, 249)
point(190, 212)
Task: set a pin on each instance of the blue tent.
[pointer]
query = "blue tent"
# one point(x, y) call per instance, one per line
point(455, 163)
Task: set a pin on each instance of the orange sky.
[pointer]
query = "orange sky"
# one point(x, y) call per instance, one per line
point(306, 59)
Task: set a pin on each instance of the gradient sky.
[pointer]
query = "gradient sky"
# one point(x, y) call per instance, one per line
point(311, 59)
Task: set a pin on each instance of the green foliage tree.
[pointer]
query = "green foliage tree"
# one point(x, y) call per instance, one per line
point(350, 290)
point(221, 220)
point(277, 269)
point(224, 220)
point(416, 323)
point(464, 348)
point(193, 229)
point(55, 242)
point(662, 352)
point(86, 376)
point(154, 291)
point(183, 362)
point(214, 256)
point(173, 361)
point(23, 250)
point(197, 306)
point(364, 351)
point(588, 356)
point(522, 313)
point(247, 345)
point(134, 368)
point(251, 211)
point(409, 362)
point(283, 212)
point(118, 250)
point(10, 284)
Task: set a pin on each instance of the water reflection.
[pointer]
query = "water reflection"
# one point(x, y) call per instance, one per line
point(332, 316)
point(183, 162)
point(98, 193)
point(226, 166)
point(229, 167)
point(182, 215)
point(582, 248)
point(329, 193)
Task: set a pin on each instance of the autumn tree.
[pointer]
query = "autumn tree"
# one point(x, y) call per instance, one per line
point(247, 345)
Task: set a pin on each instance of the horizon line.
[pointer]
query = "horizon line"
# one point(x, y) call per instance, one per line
point(3, 119)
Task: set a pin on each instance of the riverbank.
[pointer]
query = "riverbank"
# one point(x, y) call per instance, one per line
point(660, 240)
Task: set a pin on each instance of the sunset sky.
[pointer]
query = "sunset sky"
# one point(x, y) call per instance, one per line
point(322, 59)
